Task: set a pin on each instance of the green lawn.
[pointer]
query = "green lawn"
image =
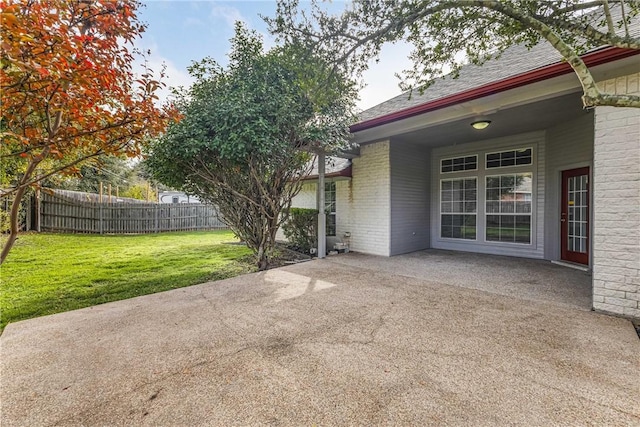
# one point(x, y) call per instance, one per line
point(50, 273)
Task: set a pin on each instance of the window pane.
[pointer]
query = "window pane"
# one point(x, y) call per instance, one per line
point(493, 207)
point(523, 207)
point(508, 219)
point(493, 182)
point(458, 204)
point(507, 182)
point(493, 194)
point(493, 234)
point(459, 164)
point(331, 225)
point(509, 158)
point(470, 207)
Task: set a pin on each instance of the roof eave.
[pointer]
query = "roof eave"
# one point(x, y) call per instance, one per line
point(591, 59)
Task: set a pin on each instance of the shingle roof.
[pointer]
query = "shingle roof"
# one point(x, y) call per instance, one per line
point(514, 61)
point(334, 166)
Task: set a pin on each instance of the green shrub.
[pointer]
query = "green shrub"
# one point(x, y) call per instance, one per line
point(301, 229)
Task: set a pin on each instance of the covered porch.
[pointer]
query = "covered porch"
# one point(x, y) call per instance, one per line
point(526, 279)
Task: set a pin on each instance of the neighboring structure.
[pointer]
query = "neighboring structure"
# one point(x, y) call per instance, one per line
point(176, 197)
point(546, 179)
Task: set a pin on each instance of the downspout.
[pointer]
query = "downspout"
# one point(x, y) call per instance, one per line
point(322, 217)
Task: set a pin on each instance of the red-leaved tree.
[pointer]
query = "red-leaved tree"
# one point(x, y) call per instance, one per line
point(69, 92)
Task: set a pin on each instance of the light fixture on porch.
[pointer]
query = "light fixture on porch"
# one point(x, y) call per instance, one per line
point(481, 124)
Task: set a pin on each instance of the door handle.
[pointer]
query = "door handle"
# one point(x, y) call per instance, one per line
point(562, 220)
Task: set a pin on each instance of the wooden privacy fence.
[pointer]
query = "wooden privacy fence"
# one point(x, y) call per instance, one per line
point(64, 214)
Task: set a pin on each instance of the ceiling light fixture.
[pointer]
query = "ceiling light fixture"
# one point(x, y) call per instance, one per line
point(481, 124)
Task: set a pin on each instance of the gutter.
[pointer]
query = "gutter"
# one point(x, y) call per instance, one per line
point(592, 59)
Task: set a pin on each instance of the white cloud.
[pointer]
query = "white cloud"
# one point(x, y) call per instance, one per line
point(229, 14)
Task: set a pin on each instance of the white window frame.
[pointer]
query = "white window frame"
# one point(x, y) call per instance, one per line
point(461, 178)
point(531, 214)
point(488, 153)
point(327, 204)
point(457, 157)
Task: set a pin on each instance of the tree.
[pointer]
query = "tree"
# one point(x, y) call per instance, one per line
point(106, 169)
point(447, 33)
point(68, 90)
point(248, 134)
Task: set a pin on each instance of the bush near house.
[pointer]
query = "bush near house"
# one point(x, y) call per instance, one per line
point(301, 229)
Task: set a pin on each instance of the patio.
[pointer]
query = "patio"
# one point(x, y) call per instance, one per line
point(522, 278)
point(350, 340)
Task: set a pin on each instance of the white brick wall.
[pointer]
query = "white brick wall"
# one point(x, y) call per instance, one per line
point(371, 200)
point(616, 240)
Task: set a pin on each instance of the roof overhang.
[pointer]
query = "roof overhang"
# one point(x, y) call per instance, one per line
point(364, 131)
point(344, 173)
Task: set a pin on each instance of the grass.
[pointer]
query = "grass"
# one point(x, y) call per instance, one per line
point(51, 273)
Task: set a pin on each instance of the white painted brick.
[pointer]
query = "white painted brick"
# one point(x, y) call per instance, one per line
point(621, 286)
point(608, 307)
point(598, 298)
point(371, 207)
point(634, 296)
point(616, 193)
point(620, 302)
point(631, 312)
point(608, 293)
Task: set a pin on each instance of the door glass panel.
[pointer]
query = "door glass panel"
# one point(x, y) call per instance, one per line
point(577, 209)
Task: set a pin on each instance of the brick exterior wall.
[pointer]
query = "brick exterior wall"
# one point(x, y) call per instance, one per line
point(371, 200)
point(363, 204)
point(616, 240)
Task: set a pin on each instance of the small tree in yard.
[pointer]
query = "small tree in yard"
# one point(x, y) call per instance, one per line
point(248, 133)
point(448, 33)
point(68, 93)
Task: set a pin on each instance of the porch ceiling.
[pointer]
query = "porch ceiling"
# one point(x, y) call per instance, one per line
point(524, 118)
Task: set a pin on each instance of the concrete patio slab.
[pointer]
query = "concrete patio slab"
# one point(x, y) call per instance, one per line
point(531, 279)
point(328, 342)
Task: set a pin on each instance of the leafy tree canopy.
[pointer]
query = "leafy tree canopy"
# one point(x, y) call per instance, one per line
point(448, 33)
point(249, 131)
point(68, 91)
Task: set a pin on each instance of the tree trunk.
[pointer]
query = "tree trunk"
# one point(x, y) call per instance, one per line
point(263, 260)
point(13, 220)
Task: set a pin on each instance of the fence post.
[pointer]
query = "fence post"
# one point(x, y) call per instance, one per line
point(157, 223)
point(38, 211)
point(101, 215)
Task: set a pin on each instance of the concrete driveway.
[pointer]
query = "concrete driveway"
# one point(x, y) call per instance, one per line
point(342, 341)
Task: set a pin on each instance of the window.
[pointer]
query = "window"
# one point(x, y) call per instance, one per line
point(457, 164)
point(508, 158)
point(458, 207)
point(508, 208)
point(330, 207)
point(175, 199)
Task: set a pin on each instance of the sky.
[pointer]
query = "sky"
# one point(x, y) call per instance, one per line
point(181, 31)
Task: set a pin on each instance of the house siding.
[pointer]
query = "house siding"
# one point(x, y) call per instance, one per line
point(371, 201)
point(569, 146)
point(536, 140)
point(616, 243)
point(410, 171)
